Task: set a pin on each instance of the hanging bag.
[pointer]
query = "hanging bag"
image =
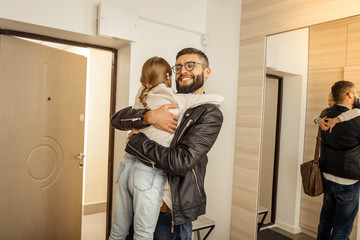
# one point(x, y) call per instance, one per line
point(311, 174)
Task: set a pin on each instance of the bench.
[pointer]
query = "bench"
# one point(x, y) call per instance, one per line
point(203, 223)
point(262, 211)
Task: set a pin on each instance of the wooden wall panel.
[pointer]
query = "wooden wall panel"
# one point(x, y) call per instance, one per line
point(352, 73)
point(248, 140)
point(327, 45)
point(353, 48)
point(266, 17)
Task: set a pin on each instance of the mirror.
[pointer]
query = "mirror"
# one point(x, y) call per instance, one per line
point(283, 128)
point(309, 60)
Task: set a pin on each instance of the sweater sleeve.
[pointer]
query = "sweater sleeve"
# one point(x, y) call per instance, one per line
point(348, 115)
point(190, 100)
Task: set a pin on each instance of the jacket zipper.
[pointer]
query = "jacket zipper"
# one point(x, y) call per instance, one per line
point(182, 132)
point(130, 119)
point(196, 180)
point(144, 158)
point(172, 214)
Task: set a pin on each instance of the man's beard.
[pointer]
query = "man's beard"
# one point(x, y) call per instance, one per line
point(197, 83)
point(356, 103)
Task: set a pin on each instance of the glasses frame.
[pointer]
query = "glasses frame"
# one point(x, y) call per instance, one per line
point(186, 66)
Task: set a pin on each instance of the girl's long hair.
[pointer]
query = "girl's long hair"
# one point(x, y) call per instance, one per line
point(154, 72)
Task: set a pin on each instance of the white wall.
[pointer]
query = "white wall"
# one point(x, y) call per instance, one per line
point(80, 16)
point(164, 27)
point(97, 126)
point(287, 55)
point(157, 40)
point(223, 31)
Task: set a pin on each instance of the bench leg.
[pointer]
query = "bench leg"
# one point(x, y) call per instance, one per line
point(262, 221)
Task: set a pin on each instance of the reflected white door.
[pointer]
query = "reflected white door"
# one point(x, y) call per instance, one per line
point(42, 105)
point(268, 145)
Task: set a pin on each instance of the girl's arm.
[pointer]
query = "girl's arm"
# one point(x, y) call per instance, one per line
point(348, 115)
point(345, 116)
point(321, 123)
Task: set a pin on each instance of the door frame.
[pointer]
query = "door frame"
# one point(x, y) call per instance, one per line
point(114, 51)
point(277, 146)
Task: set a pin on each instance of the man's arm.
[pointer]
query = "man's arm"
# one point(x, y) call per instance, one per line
point(190, 148)
point(129, 118)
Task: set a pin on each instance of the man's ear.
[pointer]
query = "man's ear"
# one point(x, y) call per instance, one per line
point(207, 73)
point(349, 94)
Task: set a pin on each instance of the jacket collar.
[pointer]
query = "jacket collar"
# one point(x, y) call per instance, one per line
point(341, 107)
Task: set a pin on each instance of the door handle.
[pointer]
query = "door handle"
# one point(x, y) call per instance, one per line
point(81, 156)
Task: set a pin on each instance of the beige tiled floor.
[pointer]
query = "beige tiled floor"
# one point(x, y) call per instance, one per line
point(299, 236)
point(93, 226)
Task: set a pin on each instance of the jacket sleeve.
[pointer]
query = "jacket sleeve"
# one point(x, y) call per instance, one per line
point(128, 118)
point(192, 147)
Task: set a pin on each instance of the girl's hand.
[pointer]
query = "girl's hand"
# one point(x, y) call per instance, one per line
point(133, 131)
point(331, 122)
point(322, 124)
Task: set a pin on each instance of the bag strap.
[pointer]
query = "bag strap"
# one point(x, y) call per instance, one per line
point(317, 148)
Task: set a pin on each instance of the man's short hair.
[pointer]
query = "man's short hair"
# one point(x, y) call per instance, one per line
point(340, 89)
point(198, 52)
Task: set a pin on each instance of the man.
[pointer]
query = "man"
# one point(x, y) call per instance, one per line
point(340, 164)
point(185, 160)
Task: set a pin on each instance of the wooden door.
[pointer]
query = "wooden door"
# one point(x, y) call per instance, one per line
point(42, 103)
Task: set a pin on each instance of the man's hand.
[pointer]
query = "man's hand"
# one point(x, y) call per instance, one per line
point(331, 122)
point(161, 118)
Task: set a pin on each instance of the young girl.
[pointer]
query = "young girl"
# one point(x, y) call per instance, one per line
point(139, 187)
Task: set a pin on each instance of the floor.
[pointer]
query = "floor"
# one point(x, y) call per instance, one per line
point(299, 236)
point(93, 226)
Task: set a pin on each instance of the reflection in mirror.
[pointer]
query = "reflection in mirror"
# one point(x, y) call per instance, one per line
point(333, 56)
point(283, 128)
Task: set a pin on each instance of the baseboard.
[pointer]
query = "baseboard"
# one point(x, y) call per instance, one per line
point(288, 228)
point(93, 208)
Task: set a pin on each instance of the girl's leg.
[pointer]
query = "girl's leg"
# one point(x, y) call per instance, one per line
point(123, 211)
point(147, 186)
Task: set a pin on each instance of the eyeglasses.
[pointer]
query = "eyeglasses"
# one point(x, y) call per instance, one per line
point(189, 66)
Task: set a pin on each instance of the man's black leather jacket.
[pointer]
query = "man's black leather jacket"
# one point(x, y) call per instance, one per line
point(185, 160)
point(340, 149)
